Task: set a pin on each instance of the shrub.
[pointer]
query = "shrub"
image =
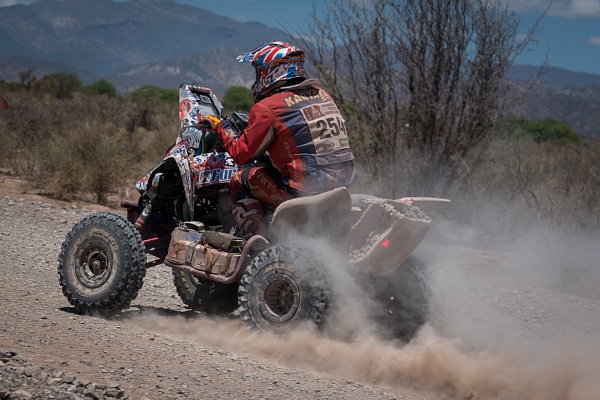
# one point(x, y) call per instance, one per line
point(85, 158)
point(550, 130)
point(238, 98)
point(61, 85)
point(549, 183)
point(102, 87)
point(150, 93)
point(74, 147)
point(86, 145)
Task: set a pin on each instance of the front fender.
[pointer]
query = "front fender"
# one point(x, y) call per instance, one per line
point(176, 158)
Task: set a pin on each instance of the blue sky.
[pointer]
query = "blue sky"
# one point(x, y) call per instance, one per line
point(569, 35)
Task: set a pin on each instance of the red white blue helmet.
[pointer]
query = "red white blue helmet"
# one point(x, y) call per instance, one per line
point(273, 62)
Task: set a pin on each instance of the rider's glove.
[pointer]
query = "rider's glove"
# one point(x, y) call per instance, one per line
point(211, 121)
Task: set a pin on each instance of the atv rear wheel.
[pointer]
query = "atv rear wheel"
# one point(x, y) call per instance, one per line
point(401, 300)
point(283, 287)
point(102, 264)
point(204, 295)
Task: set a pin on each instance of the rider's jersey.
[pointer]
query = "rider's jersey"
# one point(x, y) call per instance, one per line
point(304, 134)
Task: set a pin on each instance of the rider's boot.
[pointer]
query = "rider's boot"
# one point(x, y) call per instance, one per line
point(249, 216)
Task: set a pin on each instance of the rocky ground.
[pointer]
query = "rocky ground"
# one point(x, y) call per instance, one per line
point(496, 333)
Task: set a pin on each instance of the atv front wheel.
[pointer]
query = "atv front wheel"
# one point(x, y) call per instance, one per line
point(101, 265)
point(281, 288)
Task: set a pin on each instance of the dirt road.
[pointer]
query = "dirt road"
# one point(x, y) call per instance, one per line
point(499, 331)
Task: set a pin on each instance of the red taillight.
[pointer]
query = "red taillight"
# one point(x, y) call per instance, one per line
point(385, 243)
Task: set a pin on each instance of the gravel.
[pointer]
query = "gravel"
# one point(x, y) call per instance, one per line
point(154, 350)
point(500, 329)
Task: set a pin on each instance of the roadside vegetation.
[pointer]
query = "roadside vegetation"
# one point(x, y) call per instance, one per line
point(92, 145)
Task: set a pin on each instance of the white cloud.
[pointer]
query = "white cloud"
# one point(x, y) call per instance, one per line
point(582, 8)
point(527, 5)
point(595, 41)
point(6, 3)
point(586, 8)
point(560, 8)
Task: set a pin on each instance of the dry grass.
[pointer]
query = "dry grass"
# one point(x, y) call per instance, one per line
point(87, 145)
point(97, 146)
point(550, 184)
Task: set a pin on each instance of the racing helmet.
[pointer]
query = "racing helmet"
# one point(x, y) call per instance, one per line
point(274, 62)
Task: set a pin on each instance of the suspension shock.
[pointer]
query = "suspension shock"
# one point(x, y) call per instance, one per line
point(141, 221)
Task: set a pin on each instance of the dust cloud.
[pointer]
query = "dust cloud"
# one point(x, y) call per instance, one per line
point(512, 317)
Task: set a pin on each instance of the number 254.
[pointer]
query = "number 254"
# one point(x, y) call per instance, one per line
point(330, 126)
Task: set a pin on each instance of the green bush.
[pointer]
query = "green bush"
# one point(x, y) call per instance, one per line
point(238, 98)
point(102, 87)
point(10, 85)
point(550, 130)
point(154, 93)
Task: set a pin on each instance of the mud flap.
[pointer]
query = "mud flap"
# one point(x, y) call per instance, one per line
point(385, 235)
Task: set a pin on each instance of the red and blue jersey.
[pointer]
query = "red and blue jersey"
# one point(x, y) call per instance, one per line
point(304, 134)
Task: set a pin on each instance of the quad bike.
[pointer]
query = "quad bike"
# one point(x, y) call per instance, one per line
point(183, 220)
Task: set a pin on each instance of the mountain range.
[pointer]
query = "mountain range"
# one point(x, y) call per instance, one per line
point(164, 43)
point(129, 43)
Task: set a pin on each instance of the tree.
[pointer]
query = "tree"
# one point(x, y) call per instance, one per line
point(551, 130)
point(27, 78)
point(62, 85)
point(145, 101)
point(154, 93)
point(238, 98)
point(420, 83)
point(102, 87)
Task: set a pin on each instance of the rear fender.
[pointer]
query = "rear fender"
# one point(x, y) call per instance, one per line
point(385, 235)
point(425, 203)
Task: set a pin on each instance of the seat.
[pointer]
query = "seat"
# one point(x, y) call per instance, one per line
point(310, 215)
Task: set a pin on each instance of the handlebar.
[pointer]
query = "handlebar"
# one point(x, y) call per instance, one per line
point(239, 121)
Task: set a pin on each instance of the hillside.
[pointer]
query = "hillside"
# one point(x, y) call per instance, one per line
point(554, 78)
point(102, 36)
point(216, 69)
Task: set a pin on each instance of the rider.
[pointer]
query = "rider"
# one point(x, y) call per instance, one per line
point(297, 125)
